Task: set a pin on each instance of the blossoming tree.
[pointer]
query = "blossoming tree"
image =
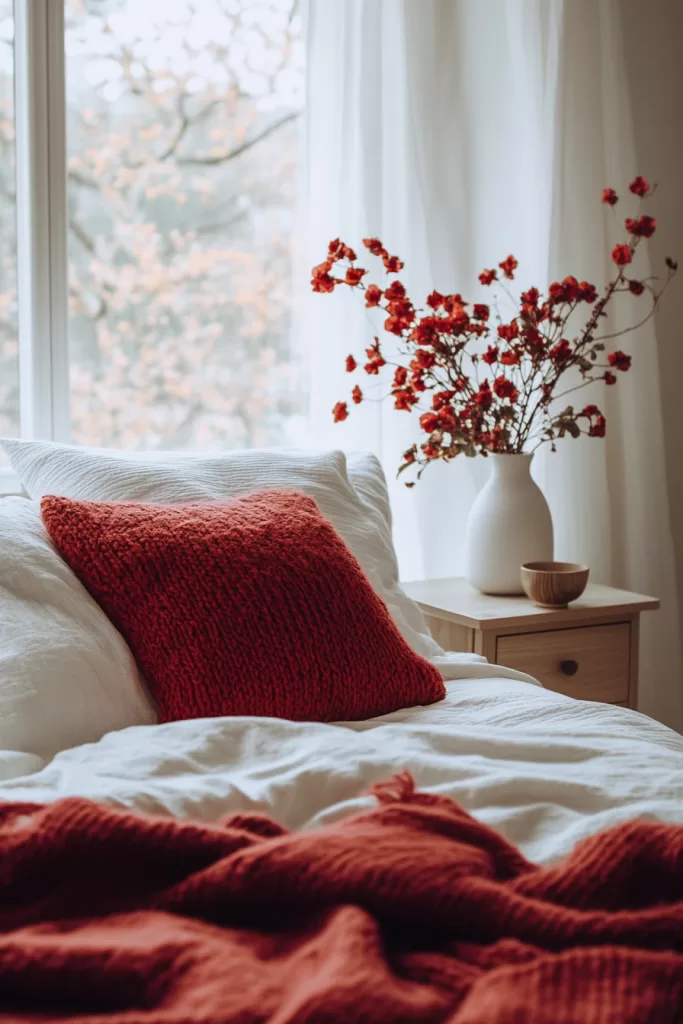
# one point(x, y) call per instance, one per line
point(181, 127)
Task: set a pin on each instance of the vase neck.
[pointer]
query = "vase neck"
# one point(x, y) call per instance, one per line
point(511, 466)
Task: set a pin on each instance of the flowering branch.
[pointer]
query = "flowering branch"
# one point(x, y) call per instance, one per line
point(441, 348)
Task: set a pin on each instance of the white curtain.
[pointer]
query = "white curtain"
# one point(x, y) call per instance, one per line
point(459, 131)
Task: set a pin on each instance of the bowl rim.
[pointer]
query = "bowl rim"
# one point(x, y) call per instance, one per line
point(558, 568)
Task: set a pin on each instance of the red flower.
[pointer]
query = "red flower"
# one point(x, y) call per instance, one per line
point(357, 395)
point(375, 359)
point(375, 246)
point(636, 287)
point(531, 297)
point(508, 332)
point(321, 280)
point(480, 311)
point(483, 397)
point(488, 276)
point(510, 358)
point(609, 196)
point(588, 292)
point(491, 355)
point(351, 364)
point(409, 456)
point(619, 360)
point(591, 410)
point(404, 400)
point(568, 290)
point(429, 421)
point(424, 333)
point(598, 428)
point(400, 376)
point(373, 294)
point(557, 292)
point(508, 266)
point(561, 352)
point(643, 227)
point(340, 412)
point(392, 264)
point(435, 300)
point(504, 388)
point(609, 378)
point(394, 325)
point(395, 291)
point(441, 398)
point(639, 186)
point(403, 309)
point(348, 252)
point(455, 324)
point(335, 249)
point(417, 381)
point(448, 419)
point(621, 254)
point(424, 359)
point(354, 275)
point(430, 450)
point(453, 303)
point(572, 289)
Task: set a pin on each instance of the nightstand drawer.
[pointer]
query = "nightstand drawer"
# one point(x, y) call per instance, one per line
point(589, 663)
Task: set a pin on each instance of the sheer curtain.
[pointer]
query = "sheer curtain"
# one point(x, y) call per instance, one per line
point(459, 131)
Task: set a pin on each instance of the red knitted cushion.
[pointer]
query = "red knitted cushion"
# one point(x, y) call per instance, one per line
point(254, 606)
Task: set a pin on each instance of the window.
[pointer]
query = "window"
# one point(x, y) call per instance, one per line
point(167, 159)
point(9, 349)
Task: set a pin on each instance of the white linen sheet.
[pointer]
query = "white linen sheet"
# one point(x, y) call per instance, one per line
point(542, 768)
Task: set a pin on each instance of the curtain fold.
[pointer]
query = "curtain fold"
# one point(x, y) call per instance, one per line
point(458, 132)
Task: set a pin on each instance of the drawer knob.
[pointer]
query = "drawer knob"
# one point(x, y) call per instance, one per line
point(569, 667)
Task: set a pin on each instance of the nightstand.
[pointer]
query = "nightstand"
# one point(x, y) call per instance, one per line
point(588, 650)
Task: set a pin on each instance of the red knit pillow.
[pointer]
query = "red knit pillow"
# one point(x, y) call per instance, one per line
point(254, 606)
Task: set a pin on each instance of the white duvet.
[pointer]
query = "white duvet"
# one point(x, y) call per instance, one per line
point(542, 768)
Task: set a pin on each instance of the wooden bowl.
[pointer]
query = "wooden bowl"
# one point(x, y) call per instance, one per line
point(554, 584)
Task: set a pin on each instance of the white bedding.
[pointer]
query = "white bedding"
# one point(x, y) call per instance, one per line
point(544, 769)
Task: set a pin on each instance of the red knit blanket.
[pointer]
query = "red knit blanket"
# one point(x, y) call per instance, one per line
point(410, 912)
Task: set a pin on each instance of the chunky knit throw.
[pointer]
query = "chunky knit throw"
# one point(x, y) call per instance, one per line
point(410, 912)
point(253, 606)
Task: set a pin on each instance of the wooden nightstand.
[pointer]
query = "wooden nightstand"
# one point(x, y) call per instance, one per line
point(588, 651)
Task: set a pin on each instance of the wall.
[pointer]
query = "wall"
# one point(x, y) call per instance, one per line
point(653, 39)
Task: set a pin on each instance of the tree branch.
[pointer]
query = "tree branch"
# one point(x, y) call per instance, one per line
point(79, 179)
point(232, 154)
point(82, 235)
point(185, 124)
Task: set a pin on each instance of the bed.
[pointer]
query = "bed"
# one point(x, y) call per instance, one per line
point(497, 752)
point(544, 769)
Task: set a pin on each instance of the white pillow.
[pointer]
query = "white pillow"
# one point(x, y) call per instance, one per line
point(360, 515)
point(66, 675)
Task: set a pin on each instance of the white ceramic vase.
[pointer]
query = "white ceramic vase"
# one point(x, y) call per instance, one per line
point(509, 524)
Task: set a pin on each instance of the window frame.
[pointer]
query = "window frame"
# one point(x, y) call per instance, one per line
point(41, 218)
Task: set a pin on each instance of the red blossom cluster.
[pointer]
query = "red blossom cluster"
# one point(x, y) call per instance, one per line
point(440, 354)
